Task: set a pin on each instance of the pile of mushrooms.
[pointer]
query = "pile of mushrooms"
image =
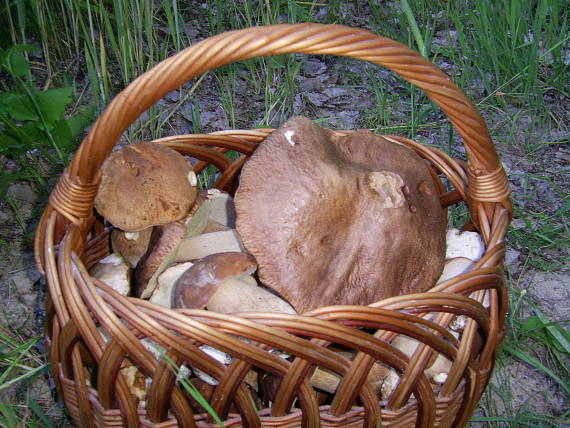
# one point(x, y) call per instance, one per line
point(320, 218)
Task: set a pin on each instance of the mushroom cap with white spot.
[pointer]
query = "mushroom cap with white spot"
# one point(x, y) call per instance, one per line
point(335, 219)
point(144, 185)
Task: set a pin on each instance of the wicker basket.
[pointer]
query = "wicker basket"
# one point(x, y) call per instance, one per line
point(86, 363)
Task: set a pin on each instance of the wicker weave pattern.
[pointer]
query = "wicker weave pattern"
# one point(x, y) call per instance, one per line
point(86, 363)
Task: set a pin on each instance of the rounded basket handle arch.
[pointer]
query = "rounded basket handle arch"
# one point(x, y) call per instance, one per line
point(308, 38)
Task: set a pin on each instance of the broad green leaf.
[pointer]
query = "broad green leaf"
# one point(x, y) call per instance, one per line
point(65, 131)
point(78, 122)
point(62, 136)
point(18, 106)
point(52, 103)
point(10, 144)
point(16, 63)
point(532, 323)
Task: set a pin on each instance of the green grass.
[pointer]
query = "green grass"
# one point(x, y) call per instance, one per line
point(62, 62)
point(20, 365)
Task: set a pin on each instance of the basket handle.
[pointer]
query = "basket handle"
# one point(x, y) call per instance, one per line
point(490, 184)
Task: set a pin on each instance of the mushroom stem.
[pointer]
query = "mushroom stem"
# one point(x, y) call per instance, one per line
point(235, 295)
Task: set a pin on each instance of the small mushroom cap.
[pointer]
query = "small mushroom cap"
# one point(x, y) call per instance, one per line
point(131, 245)
point(336, 219)
point(198, 284)
point(144, 185)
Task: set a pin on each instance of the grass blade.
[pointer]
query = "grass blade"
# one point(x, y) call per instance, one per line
point(537, 364)
point(415, 30)
point(38, 411)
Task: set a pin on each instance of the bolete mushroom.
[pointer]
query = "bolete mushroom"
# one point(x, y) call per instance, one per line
point(163, 248)
point(162, 294)
point(144, 185)
point(339, 219)
point(214, 282)
point(328, 381)
point(130, 245)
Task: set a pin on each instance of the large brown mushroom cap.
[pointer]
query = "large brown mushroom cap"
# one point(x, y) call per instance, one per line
point(144, 185)
point(336, 219)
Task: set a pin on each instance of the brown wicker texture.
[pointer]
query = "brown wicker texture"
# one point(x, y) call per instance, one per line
point(86, 363)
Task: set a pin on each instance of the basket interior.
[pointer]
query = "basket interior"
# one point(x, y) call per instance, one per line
point(116, 343)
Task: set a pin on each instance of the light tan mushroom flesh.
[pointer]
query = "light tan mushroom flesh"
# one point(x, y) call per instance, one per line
point(200, 246)
point(336, 219)
point(113, 271)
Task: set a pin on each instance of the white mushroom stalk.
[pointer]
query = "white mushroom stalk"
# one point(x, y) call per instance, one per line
point(113, 271)
point(464, 244)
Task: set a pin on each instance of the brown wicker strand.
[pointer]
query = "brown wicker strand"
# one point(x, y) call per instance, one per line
point(72, 200)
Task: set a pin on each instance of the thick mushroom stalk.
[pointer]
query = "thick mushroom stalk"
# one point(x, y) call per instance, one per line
point(336, 219)
point(215, 282)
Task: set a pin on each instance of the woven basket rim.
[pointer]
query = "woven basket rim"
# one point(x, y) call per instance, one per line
point(78, 304)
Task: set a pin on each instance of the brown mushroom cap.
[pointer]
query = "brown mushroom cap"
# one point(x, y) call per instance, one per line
point(131, 245)
point(144, 185)
point(336, 219)
point(201, 281)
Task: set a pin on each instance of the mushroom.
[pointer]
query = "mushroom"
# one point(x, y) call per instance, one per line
point(163, 247)
point(339, 219)
point(214, 282)
point(136, 381)
point(329, 381)
point(454, 267)
point(144, 185)
point(130, 245)
point(162, 294)
point(436, 370)
point(214, 226)
point(199, 246)
point(223, 208)
point(113, 271)
point(464, 244)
